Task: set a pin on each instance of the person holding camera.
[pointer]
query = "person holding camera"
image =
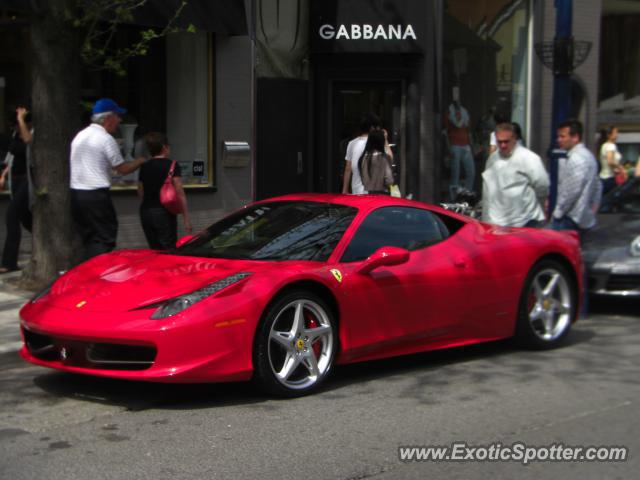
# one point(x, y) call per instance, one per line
point(15, 174)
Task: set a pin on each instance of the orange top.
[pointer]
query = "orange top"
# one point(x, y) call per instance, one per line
point(457, 135)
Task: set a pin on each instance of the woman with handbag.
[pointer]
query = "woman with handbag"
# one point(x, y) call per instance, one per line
point(374, 164)
point(611, 171)
point(162, 195)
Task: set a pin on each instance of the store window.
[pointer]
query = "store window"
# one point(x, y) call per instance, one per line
point(485, 73)
point(169, 90)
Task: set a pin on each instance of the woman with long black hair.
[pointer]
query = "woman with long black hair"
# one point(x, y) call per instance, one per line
point(375, 164)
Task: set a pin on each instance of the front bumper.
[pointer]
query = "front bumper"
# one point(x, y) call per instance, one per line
point(194, 346)
point(614, 283)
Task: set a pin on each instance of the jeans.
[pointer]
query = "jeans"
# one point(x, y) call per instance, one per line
point(17, 213)
point(461, 154)
point(608, 184)
point(565, 223)
point(160, 227)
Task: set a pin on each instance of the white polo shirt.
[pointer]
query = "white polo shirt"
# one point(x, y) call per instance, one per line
point(354, 152)
point(94, 154)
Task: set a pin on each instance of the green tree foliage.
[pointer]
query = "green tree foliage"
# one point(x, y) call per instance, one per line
point(63, 32)
point(99, 21)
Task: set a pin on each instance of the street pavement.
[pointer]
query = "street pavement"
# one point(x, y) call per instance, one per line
point(62, 426)
point(11, 299)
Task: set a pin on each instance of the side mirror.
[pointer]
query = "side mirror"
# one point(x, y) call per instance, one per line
point(181, 241)
point(384, 257)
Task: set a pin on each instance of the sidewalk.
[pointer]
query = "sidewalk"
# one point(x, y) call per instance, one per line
point(11, 300)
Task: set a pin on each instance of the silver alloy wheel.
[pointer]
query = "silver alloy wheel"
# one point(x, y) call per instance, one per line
point(300, 344)
point(549, 304)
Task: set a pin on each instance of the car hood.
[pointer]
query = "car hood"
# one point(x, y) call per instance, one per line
point(614, 230)
point(126, 280)
point(610, 240)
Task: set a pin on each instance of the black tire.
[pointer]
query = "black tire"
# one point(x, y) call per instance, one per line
point(547, 306)
point(293, 359)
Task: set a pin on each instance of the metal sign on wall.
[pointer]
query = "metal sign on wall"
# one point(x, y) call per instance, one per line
point(368, 26)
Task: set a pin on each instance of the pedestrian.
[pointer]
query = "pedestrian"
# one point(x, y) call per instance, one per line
point(374, 164)
point(16, 173)
point(579, 188)
point(94, 154)
point(515, 183)
point(493, 144)
point(456, 124)
point(355, 148)
point(610, 158)
point(160, 226)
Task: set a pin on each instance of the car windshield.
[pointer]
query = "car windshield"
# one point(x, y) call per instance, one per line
point(293, 230)
point(623, 199)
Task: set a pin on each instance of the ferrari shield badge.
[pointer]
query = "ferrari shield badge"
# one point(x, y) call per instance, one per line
point(337, 274)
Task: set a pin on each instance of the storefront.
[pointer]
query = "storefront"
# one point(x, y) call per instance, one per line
point(196, 87)
point(321, 65)
point(263, 99)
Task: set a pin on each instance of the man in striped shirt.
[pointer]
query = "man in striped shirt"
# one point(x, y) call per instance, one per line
point(579, 188)
point(94, 154)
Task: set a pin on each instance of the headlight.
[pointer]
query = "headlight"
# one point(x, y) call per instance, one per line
point(178, 304)
point(635, 247)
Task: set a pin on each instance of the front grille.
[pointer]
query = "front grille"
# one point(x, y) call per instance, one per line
point(623, 282)
point(109, 354)
point(40, 346)
point(83, 354)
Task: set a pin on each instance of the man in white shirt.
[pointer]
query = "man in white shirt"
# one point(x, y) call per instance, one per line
point(94, 154)
point(515, 183)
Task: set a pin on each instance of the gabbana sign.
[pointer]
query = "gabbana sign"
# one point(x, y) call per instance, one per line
point(368, 26)
point(367, 32)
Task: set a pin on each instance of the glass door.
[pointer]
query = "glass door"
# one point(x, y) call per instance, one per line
point(350, 101)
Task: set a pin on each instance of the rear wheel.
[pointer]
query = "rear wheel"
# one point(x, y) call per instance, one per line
point(295, 345)
point(547, 306)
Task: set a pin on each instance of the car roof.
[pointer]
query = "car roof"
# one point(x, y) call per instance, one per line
point(358, 201)
point(365, 203)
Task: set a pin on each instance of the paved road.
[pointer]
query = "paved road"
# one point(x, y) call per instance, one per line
point(60, 426)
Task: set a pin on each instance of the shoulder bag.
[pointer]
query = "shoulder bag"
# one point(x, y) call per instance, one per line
point(168, 195)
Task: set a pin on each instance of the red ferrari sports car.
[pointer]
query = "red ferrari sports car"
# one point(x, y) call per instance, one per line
point(285, 288)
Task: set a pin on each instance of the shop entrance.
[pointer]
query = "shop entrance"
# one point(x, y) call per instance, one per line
point(350, 99)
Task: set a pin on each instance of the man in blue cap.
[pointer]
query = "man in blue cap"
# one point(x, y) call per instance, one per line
point(94, 154)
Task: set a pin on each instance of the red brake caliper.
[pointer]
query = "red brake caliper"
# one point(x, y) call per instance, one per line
point(311, 322)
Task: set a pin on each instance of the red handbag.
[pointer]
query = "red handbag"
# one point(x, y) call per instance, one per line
point(620, 177)
point(168, 195)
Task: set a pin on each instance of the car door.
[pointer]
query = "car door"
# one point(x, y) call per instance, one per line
point(401, 307)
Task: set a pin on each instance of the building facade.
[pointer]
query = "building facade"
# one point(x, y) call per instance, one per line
point(263, 99)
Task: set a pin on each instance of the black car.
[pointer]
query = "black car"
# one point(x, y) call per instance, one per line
point(611, 250)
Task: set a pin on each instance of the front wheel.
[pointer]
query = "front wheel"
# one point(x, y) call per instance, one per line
point(295, 345)
point(547, 306)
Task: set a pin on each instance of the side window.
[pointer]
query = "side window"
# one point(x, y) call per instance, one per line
point(410, 228)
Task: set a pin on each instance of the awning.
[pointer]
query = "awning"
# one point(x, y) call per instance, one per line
point(226, 17)
point(220, 16)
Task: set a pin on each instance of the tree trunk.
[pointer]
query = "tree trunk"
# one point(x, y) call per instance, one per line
point(56, 114)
